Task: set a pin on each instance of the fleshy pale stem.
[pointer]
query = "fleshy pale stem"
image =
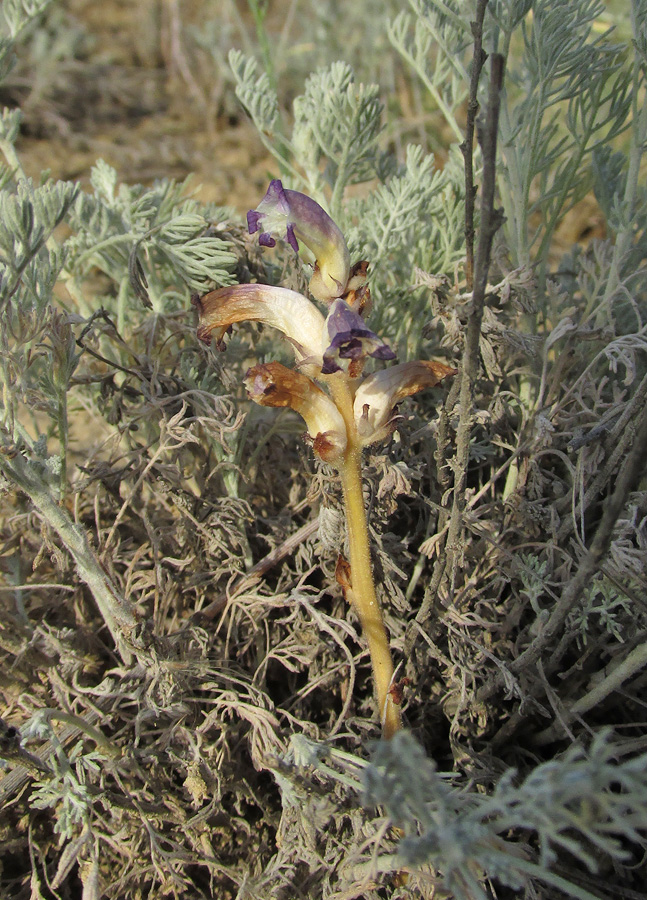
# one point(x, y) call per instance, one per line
point(362, 590)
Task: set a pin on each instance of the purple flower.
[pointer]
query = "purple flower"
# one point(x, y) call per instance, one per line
point(295, 217)
point(274, 213)
point(350, 338)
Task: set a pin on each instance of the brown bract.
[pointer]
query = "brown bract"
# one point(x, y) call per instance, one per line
point(420, 374)
point(358, 294)
point(343, 574)
point(208, 323)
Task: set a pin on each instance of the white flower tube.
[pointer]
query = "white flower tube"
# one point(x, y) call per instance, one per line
point(288, 311)
point(378, 394)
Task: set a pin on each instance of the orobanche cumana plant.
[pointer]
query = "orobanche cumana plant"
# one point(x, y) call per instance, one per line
point(354, 412)
point(490, 537)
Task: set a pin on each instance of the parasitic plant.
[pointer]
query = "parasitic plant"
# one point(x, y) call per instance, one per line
point(344, 410)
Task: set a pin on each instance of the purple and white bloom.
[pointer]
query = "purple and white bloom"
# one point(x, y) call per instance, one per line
point(332, 349)
point(350, 338)
point(295, 217)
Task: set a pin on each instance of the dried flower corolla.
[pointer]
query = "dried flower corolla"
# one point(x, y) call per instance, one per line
point(296, 217)
point(272, 384)
point(379, 394)
point(350, 339)
point(288, 311)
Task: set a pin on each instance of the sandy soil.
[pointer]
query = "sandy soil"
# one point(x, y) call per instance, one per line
point(141, 96)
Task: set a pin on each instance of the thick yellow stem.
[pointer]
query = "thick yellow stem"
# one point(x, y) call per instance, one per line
point(362, 590)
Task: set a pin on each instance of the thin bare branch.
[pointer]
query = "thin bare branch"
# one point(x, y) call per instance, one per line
point(491, 220)
point(467, 147)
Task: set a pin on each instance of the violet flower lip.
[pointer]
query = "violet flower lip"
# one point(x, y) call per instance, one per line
point(295, 217)
point(350, 338)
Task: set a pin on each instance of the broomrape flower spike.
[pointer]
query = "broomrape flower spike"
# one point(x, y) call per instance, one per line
point(345, 412)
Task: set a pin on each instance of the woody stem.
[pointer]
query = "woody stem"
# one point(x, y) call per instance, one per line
point(362, 590)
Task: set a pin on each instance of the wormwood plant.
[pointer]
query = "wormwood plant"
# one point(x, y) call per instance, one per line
point(157, 660)
point(586, 803)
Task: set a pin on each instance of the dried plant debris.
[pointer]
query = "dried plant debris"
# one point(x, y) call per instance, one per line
point(186, 708)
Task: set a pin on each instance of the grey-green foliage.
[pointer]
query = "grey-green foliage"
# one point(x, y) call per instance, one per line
point(609, 183)
point(338, 121)
point(168, 232)
point(306, 36)
point(29, 269)
point(30, 264)
point(68, 795)
point(10, 120)
point(434, 38)
point(532, 573)
point(145, 243)
point(568, 95)
point(29, 217)
point(6, 48)
point(414, 218)
point(255, 92)
point(605, 608)
point(620, 188)
point(585, 803)
point(64, 790)
point(390, 217)
point(508, 14)
point(17, 16)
